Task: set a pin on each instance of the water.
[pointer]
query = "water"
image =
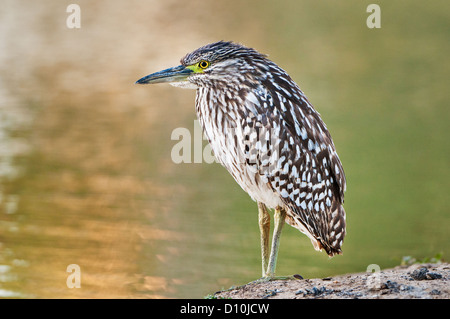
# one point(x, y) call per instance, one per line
point(86, 176)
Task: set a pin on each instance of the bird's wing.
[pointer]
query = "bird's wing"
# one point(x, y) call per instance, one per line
point(300, 162)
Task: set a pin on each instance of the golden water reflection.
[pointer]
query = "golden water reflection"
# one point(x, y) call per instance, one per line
point(85, 171)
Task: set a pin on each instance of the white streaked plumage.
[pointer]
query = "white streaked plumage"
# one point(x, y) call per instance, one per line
point(265, 132)
point(265, 99)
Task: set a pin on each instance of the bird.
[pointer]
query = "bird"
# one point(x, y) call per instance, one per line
point(262, 128)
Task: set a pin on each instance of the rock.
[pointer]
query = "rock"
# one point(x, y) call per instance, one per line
point(419, 281)
point(419, 274)
point(424, 274)
point(391, 285)
point(433, 275)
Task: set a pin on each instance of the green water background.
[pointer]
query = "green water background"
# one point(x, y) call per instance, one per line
point(86, 175)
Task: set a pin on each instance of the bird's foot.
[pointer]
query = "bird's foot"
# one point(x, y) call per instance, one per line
point(273, 278)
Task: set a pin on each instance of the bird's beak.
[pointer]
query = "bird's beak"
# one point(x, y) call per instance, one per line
point(175, 74)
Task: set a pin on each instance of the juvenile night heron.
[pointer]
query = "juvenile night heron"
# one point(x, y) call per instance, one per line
point(266, 133)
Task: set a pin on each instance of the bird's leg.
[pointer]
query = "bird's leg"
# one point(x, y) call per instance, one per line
point(264, 227)
point(278, 216)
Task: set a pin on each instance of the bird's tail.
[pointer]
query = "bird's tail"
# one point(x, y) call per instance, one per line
point(329, 235)
point(336, 231)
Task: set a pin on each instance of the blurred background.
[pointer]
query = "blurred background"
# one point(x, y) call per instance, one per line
point(86, 175)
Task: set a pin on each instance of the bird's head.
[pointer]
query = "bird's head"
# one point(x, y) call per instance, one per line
point(213, 65)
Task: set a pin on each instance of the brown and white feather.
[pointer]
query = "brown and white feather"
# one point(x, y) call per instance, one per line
point(267, 134)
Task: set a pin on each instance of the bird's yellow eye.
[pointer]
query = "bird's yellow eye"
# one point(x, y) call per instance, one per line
point(203, 64)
